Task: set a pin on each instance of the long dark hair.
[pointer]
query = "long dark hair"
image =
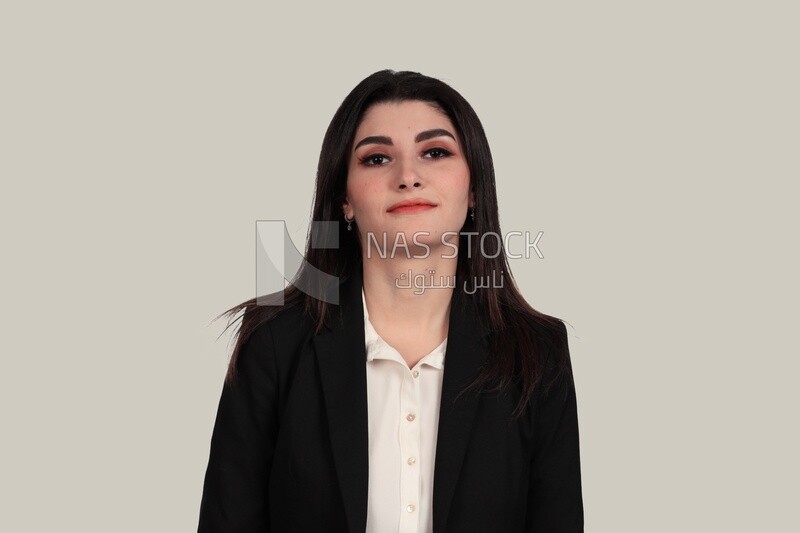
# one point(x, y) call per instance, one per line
point(515, 354)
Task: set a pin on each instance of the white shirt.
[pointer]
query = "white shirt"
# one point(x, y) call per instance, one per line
point(403, 407)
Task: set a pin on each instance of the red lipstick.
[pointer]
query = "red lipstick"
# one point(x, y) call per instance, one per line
point(415, 205)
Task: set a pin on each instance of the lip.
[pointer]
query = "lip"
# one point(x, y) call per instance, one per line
point(411, 206)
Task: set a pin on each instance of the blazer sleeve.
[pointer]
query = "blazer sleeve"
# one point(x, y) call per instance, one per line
point(235, 490)
point(555, 502)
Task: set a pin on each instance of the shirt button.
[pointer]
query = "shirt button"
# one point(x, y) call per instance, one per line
point(410, 508)
point(415, 373)
point(411, 417)
point(411, 460)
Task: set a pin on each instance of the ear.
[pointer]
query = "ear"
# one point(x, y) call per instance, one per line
point(347, 208)
point(472, 198)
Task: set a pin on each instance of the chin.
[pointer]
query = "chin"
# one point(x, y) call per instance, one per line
point(412, 241)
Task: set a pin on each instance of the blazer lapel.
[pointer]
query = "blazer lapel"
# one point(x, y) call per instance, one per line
point(341, 356)
point(466, 352)
point(342, 360)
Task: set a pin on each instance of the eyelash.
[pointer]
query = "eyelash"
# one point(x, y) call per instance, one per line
point(365, 160)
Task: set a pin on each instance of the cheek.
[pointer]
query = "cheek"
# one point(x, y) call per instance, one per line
point(361, 192)
point(460, 181)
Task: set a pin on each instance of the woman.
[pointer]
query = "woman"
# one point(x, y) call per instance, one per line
point(430, 396)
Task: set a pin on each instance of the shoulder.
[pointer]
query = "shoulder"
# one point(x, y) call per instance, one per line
point(550, 342)
point(554, 330)
point(281, 325)
point(549, 333)
point(557, 377)
point(270, 336)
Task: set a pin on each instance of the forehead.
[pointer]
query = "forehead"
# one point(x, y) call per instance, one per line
point(411, 115)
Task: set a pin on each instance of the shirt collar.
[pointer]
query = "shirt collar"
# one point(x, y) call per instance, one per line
point(377, 348)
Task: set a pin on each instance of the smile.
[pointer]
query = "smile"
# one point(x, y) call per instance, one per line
point(413, 205)
point(412, 208)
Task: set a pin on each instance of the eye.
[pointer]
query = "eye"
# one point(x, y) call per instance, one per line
point(373, 160)
point(438, 153)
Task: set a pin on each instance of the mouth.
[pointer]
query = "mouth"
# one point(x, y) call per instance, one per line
point(411, 206)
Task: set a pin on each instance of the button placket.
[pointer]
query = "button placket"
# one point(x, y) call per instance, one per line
point(410, 449)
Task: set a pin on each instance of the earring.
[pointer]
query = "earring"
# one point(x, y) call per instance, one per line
point(349, 223)
point(472, 213)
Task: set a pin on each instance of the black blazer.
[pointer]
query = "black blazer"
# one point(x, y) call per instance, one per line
point(289, 449)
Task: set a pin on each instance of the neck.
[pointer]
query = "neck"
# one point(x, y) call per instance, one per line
point(410, 293)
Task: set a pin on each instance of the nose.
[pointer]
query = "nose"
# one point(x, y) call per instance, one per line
point(408, 177)
point(404, 186)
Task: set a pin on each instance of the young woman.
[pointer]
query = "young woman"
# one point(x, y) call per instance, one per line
point(430, 397)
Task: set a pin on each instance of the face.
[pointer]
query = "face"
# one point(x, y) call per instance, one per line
point(408, 174)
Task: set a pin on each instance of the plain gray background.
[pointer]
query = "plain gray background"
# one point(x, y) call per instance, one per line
point(654, 143)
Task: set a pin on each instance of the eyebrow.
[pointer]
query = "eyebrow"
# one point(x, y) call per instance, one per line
point(423, 136)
